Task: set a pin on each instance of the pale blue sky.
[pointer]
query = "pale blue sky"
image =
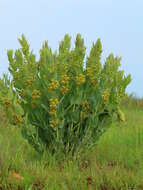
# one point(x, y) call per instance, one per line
point(119, 24)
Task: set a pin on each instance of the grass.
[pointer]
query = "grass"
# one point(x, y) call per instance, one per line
point(116, 163)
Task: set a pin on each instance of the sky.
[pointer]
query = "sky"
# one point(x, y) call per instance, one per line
point(118, 23)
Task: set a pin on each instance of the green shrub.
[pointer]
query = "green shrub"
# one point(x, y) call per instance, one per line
point(65, 103)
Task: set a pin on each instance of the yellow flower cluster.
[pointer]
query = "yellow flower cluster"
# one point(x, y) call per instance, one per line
point(65, 84)
point(85, 109)
point(54, 122)
point(80, 79)
point(35, 96)
point(85, 105)
point(64, 68)
point(105, 96)
point(22, 93)
point(17, 119)
point(94, 81)
point(53, 105)
point(27, 82)
point(89, 71)
point(6, 102)
point(65, 79)
point(64, 90)
point(53, 85)
point(90, 74)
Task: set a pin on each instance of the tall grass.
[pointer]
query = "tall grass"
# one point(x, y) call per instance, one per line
point(115, 163)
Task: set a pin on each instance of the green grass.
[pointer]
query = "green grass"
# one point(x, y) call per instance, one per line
point(115, 163)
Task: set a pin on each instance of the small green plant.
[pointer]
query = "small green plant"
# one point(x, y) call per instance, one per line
point(62, 102)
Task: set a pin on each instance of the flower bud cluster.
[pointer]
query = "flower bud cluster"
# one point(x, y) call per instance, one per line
point(94, 81)
point(105, 96)
point(85, 105)
point(80, 79)
point(65, 84)
point(53, 85)
point(17, 119)
point(28, 82)
point(6, 102)
point(54, 122)
point(22, 93)
point(53, 106)
point(35, 96)
point(89, 72)
point(85, 109)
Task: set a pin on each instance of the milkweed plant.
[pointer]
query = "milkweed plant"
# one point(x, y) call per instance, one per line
point(64, 100)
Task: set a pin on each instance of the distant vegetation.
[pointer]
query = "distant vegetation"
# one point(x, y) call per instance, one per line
point(131, 101)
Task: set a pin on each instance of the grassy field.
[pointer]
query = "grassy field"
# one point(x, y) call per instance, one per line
point(115, 163)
